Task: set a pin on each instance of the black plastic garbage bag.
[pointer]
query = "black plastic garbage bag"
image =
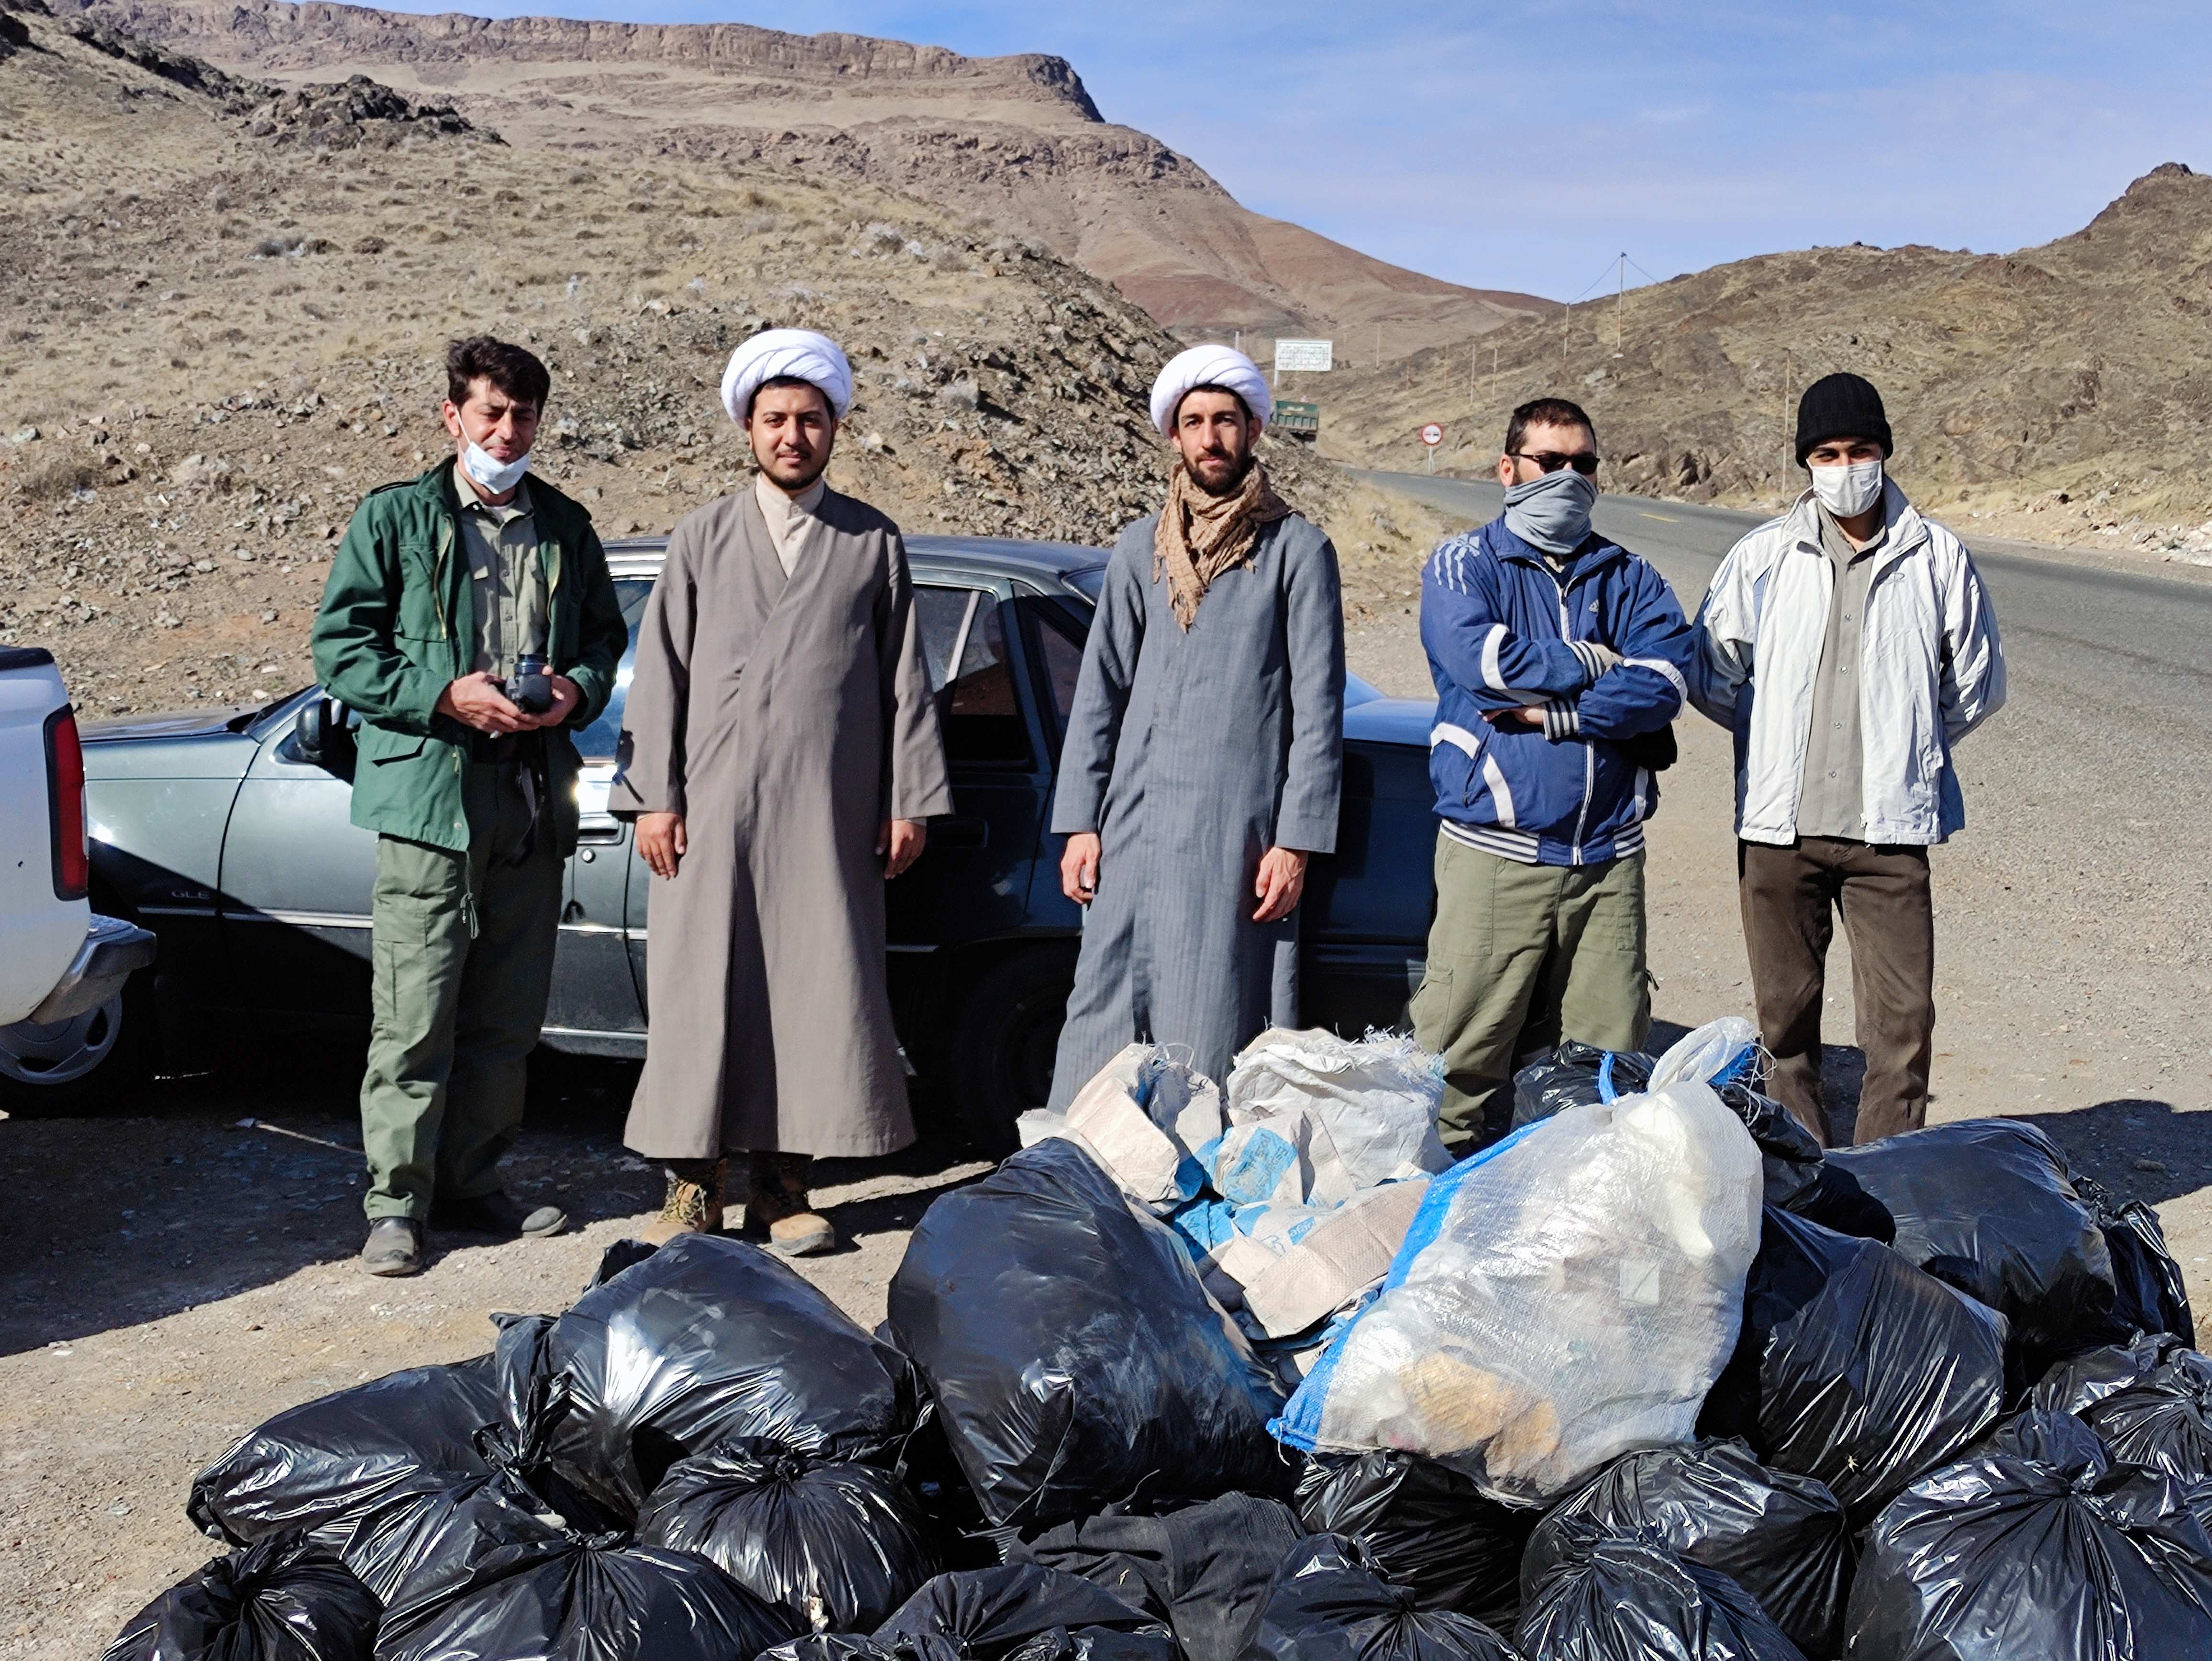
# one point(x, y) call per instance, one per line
point(1608, 1596)
point(2151, 1295)
point(1781, 1537)
point(1853, 1366)
point(987, 1615)
point(1426, 1527)
point(409, 1540)
point(706, 1340)
point(318, 1465)
point(2164, 1420)
point(1330, 1603)
point(1574, 1075)
point(837, 1546)
point(1204, 1570)
point(859, 1646)
point(1072, 1355)
point(283, 1598)
point(581, 1597)
point(1988, 1206)
point(2040, 1545)
point(414, 1542)
point(2080, 1381)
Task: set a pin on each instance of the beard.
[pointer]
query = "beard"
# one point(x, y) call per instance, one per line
point(1222, 483)
point(814, 467)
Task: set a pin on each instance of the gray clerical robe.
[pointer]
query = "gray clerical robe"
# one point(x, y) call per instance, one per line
point(1191, 755)
point(785, 718)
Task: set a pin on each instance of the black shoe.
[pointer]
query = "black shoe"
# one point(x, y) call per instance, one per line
point(497, 1213)
point(394, 1246)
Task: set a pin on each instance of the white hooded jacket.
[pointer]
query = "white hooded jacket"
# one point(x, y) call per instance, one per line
point(1932, 669)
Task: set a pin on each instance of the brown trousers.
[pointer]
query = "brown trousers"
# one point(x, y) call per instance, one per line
point(1790, 897)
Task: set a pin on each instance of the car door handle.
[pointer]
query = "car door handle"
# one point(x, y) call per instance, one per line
point(598, 830)
point(963, 831)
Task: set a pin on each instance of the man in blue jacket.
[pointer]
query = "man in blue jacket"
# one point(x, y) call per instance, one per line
point(1560, 661)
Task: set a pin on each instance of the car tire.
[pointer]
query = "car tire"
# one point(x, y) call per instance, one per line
point(94, 1061)
point(1004, 1043)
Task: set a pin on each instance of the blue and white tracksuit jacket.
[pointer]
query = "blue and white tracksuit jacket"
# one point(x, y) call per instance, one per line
point(1502, 631)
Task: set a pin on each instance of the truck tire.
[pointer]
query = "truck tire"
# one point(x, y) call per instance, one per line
point(1004, 1041)
point(93, 1060)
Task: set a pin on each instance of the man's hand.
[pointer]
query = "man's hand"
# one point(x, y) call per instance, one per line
point(899, 844)
point(477, 701)
point(660, 842)
point(1533, 713)
point(1280, 885)
point(567, 695)
point(1078, 867)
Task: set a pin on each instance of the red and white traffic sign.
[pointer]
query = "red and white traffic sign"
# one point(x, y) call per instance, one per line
point(1432, 434)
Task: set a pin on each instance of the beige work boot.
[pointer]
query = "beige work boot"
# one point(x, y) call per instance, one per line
point(694, 1205)
point(778, 1214)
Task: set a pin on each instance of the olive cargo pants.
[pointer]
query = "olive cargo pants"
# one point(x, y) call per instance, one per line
point(1520, 955)
point(1790, 897)
point(455, 1018)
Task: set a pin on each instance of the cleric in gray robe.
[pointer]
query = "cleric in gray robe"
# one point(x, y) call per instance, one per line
point(1205, 752)
point(779, 754)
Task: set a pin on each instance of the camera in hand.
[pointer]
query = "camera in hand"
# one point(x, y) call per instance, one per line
point(530, 689)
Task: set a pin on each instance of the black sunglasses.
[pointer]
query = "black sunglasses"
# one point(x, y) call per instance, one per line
point(1550, 461)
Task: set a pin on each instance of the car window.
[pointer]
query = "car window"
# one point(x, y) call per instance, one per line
point(597, 741)
point(941, 617)
point(1089, 583)
point(983, 711)
point(1061, 648)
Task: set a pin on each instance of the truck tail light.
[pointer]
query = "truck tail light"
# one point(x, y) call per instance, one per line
point(65, 800)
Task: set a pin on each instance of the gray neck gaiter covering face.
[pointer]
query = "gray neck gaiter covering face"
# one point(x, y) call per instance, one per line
point(1551, 511)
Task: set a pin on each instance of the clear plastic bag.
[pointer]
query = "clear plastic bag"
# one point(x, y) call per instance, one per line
point(1563, 1297)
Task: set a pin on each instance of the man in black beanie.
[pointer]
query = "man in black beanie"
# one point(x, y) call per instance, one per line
point(1849, 645)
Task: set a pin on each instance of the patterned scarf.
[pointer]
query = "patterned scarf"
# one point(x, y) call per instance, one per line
point(1201, 535)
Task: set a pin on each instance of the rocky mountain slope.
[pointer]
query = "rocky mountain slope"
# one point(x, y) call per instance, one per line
point(225, 319)
point(2061, 393)
point(1014, 143)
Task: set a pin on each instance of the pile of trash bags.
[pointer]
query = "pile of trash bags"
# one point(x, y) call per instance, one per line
point(1652, 1375)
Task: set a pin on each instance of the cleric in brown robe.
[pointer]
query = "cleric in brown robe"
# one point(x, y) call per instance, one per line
point(779, 754)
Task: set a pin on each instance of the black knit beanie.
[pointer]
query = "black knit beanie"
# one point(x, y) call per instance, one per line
point(1840, 406)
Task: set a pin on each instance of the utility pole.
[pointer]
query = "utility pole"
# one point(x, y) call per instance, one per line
point(1619, 302)
point(1378, 345)
point(1240, 340)
point(1789, 448)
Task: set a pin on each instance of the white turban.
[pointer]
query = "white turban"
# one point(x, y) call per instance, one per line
point(1211, 365)
point(798, 354)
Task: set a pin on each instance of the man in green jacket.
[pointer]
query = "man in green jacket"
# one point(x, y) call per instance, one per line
point(470, 623)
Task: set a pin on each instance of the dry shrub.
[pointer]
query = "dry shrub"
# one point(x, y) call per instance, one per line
point(61, 476)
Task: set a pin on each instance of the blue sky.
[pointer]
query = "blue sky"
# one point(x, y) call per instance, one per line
point(1521, 146)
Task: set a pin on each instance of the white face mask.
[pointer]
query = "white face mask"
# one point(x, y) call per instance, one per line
point(1848, 490)
point(489, 471)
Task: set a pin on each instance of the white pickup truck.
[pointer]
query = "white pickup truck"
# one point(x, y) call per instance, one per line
point(62, 967)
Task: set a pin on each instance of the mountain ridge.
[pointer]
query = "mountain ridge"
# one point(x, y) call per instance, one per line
point(1016, 140)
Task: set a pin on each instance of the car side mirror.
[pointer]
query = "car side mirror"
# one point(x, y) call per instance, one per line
point(322, 737)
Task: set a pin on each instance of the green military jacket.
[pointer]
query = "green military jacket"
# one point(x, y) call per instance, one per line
point(397, 627)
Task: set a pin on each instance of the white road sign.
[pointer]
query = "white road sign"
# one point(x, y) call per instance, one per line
point(1305, 354)
point(1432, 434)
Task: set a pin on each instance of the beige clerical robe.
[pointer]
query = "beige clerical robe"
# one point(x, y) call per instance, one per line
point(786, 717)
